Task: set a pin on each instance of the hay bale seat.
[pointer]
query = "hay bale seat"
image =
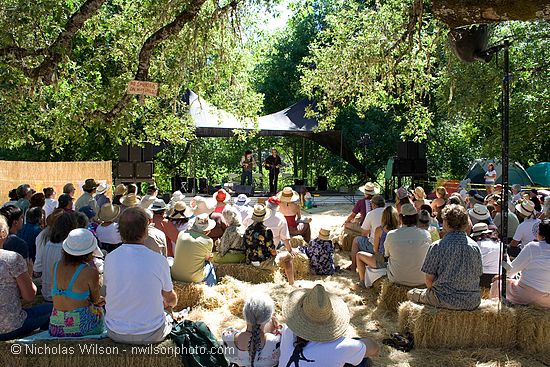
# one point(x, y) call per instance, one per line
point(392, 295)
point(301, 266)
point(489, 326)
point(100, 353)
point(189, 294)
point(245, 273)
point(533, 330)
point(346, 238)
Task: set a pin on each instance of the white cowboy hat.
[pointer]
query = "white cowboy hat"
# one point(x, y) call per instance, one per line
point(201, 205)
point(102, 188)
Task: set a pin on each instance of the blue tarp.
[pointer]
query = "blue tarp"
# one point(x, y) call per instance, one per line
point(540, 173)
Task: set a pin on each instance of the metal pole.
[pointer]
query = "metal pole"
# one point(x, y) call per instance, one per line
point(505, 160)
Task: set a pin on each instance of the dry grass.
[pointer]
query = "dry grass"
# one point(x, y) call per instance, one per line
point(489, 326)
point(392, 295)
point(189, 294)
point(245, 273)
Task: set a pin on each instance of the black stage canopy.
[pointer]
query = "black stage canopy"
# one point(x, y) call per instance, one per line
point(213, 122)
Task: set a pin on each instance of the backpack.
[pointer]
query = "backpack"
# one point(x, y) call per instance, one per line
point(197, 344)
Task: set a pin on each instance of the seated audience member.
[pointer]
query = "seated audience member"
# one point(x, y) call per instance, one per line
point(42, 239)
point(176, 196)
point(14, 217)
point(420, 198)
point(533, 262)
point(526, 230)
point(513, 221)
point(90, 215)
point(69, 189)
point(534, 198)
point(456, 199)
point(222, 197)
point(406, 249)
point(372, 221)
point(276, 222)
point(51, 254)
point(107, 232)
point(293, 214)
point(77, 304)
point(50, 203)
point(261, 250)
point(241, 205)
point(193, 253)
point(390, 221)
point(453, 267)
point(37, 200)
point(100, 197)
point(137, 290)
point(65, 202)
point(179, 215)
point(149, 198)
point(129, 201)
point(402, 197)
point(316, 322)
point(439, 202)
point(231, 249)
point(120, 191)
point(490, 252)
point(170, 231)
point(545, 209)
point(361, 207)
point(425, 222)
point(516, 193)
point(30, 230)
point(480, 214)
point(16, 283)
point(156, 239)
point(87, 198)
point(12, 195)
point(320, 252)
point(24, 194)
point(257, 344)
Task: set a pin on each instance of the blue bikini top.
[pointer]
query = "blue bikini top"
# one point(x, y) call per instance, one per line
point(77, 296)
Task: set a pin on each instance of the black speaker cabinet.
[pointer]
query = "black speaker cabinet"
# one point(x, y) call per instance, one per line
point(144, 170)
point(148, 153)
point(203, 185)
point(125, 170)
point(322, 183)
point(244, 189)
point(135, 154)
point(123, 154)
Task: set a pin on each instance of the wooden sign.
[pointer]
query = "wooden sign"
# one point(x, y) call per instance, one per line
point(143, 88)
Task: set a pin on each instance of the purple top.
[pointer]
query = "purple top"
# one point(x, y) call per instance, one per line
point(362, 207)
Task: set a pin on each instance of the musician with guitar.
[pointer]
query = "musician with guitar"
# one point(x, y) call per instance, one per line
point(273, 163)
point(247, 163)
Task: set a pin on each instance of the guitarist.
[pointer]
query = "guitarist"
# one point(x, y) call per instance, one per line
point(247, 163)
point(273, 163)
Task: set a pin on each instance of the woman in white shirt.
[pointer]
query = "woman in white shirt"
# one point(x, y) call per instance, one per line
point(107, 232)
point(490, 252)
point(533, 285)
point(257, 345)
point(490, 178)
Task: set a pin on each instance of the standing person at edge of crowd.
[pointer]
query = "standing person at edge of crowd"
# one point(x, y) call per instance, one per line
point(490, 178)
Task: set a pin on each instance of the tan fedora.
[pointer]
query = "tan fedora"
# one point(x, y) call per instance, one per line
point(526, 208)
point(130, 200)
point(102, 188)
point(408, 210)
point(203, 223)
point(180, 210)
point(316, 315)
point(108, 212)
point(120, 189)
point(260, 212)
point(324, 234)
point(369, 189)
point(288, 195)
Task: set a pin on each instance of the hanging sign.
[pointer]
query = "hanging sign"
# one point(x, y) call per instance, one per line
point(143, 88)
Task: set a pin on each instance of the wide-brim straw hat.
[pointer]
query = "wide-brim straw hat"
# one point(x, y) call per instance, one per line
point(479, 212)
point(369, 189)
point(324, 234)
point(316, 315)
point(102, 188)
point(147, 201)
point(180, 210)
point(89, 184)
point(526, 208)
point(81, 242)
point(201, 205)
point(221, 196)
point(260, 213)
point(288, 195)
point(120, 189)
point(130, 200)
point(203, 223)
point(479, 229)
point(108, 212)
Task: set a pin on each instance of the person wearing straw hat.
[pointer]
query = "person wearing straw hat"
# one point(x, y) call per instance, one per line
point(361, 207)
point(314, 334)
point(120, 191)
point(156, 239)
point(75, 292)
point(193, 253)
point(293, 214)
point(87, 198)
point(129, 201)
point(179, 215)
point(527, 229)
point(533, 264)
point(138, 291)
point(402, 196)
point(420, 198)
point(107, 231)
point(242, 206)
point(480, 213)
point(100, 197)
point(166, 226)
point(320, 252)
point(150, 196)
point(452, 266)
point(201, 205)
point(490, 252)
point(261, 250)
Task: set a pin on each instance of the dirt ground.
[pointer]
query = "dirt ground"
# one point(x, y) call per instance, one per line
point(366, 319)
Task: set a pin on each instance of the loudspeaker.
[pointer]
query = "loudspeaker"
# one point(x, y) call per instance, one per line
point(177, 183)
point(322, 183)
point(191, 184)
point(135, 154)
point(125, 170)
point(421, 167)
point(144, 170)
point(244, 189)
point(411, 150)
point(123, 155)
point(203, 185)
point(148, 153)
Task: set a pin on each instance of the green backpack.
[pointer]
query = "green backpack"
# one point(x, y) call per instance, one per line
point(199, 347)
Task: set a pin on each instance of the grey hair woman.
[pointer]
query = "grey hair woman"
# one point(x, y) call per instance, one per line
point(257, 312)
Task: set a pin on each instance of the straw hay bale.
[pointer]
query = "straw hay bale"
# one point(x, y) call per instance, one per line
point(489, 326)
point(236, 307)
point(301, 266)
point(245, 273)
point(346, 239)
point(297, 241)
point(392, 295)
point(533, 330)
point(211, 299)
point(189, 294)
point(90, 353)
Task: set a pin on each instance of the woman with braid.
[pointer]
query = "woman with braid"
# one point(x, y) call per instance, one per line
point(257, 345)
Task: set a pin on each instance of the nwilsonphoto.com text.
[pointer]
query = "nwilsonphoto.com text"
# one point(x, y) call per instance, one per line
point(96, 349)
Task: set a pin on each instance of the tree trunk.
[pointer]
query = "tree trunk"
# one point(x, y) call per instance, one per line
point(457, 13)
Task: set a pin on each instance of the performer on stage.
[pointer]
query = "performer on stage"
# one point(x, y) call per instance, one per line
point(247, 163)
point(273, 163)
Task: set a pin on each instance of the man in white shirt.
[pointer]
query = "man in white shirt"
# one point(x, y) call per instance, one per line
point(527, 230)
point(277, 223)
point(406, 248)
point(372, 221)
point(138, 285)
point(241, 205)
